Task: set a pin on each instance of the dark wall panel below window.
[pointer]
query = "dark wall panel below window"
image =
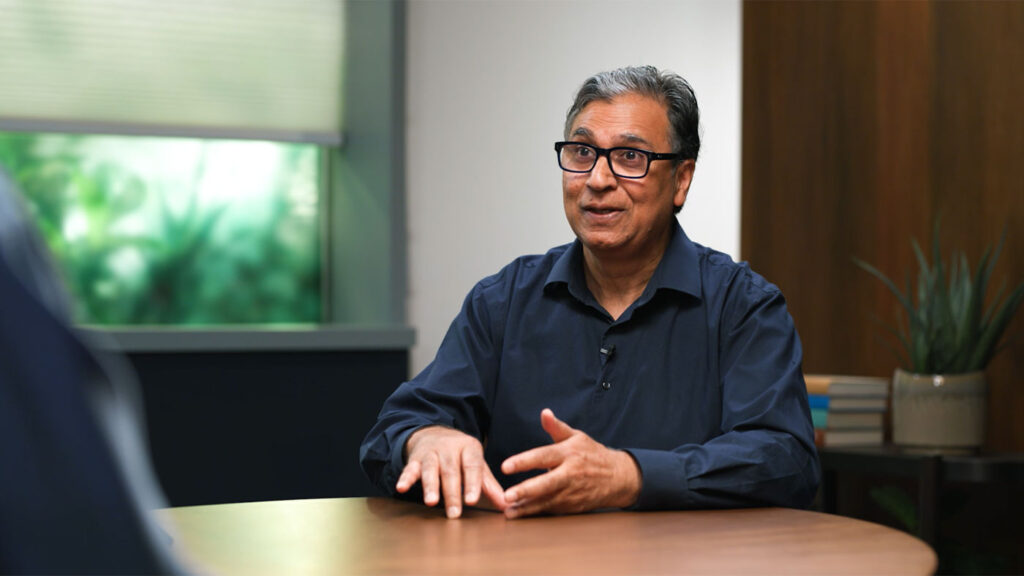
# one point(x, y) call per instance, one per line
point(235, 427)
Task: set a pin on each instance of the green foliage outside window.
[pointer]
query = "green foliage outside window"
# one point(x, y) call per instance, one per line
point(175, 231)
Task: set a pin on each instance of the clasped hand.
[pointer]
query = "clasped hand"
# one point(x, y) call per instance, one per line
point(580, 474)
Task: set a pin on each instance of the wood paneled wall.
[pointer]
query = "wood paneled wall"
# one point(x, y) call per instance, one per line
point(862, 121)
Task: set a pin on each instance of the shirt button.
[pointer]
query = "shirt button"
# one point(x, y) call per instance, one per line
point(606, 385)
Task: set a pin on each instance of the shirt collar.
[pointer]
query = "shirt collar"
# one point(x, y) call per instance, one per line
point(568, 271)
point(678, 270)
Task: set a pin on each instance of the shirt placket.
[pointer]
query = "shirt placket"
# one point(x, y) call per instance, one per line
point(606, 380)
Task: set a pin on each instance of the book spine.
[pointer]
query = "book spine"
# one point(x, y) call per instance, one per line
point(819, 416)
point(819, 401)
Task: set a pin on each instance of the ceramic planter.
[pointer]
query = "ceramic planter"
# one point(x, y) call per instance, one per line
point(939, 411)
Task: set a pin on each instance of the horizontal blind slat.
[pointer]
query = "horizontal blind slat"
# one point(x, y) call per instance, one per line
point(264, 66)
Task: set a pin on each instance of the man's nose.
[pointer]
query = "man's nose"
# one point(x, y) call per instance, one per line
point(601, 176)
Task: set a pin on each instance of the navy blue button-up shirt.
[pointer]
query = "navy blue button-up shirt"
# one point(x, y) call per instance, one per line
point(699, 380)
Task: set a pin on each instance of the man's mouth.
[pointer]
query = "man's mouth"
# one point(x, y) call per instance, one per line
point(601, 211)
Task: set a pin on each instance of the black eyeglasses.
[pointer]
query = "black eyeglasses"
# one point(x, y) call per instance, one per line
point(624, 162)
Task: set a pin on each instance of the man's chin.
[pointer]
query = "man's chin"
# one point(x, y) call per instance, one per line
point(603, 244)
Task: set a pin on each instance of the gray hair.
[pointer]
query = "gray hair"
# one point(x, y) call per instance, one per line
point(666, 87)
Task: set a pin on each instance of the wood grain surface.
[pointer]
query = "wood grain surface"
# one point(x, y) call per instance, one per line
point(385, 536)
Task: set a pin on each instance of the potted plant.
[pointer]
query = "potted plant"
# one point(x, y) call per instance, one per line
point(947, 337)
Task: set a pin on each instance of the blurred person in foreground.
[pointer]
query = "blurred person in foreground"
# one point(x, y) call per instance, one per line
point(76, 484)
point(631, 368)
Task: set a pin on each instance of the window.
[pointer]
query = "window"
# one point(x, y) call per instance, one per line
point(185, 92)
point(176, 231)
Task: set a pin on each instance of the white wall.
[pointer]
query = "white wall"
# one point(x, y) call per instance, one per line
point(488, 85)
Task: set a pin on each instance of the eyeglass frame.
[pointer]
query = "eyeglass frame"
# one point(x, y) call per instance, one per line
point(606, 152)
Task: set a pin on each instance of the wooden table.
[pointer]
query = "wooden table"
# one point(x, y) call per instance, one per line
point(384, 536)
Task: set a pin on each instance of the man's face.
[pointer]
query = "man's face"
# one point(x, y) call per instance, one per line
point(624, 217)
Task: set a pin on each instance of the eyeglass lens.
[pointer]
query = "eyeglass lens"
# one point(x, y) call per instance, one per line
point(624, 161)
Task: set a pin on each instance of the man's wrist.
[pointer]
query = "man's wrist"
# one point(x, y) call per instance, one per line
point(631, 480)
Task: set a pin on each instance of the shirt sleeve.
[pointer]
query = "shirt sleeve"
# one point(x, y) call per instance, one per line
point(765, 453)
point(453, 391)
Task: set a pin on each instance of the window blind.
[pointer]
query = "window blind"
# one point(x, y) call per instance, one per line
point(265, 69)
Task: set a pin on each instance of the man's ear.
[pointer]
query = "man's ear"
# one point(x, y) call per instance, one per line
point(684, 176)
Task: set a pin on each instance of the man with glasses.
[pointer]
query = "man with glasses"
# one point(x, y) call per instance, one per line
point(663, 374)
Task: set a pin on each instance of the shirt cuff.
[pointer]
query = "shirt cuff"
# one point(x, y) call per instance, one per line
point(663, 477)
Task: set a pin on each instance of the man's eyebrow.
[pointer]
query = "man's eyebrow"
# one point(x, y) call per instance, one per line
point(581, 131)
point(635, 139)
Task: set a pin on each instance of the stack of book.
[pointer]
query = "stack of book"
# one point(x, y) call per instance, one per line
point(847, 410)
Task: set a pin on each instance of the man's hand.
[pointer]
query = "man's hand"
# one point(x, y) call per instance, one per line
point(582, 474)
point(452, 462)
